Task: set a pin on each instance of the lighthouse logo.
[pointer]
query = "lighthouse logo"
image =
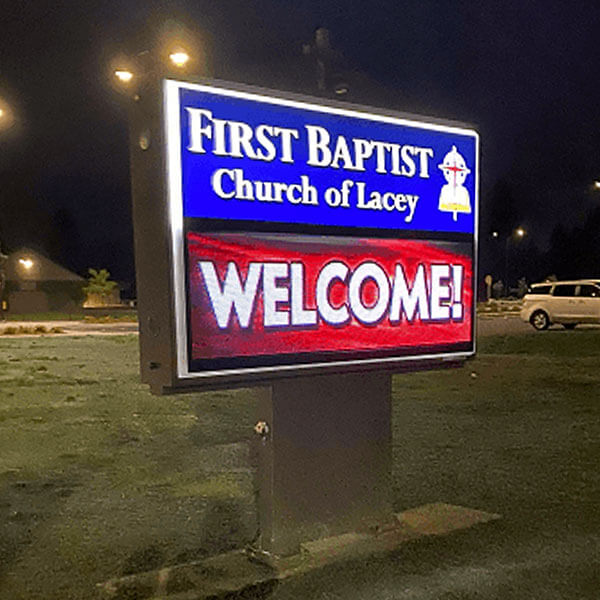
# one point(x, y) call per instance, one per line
point(454, 197)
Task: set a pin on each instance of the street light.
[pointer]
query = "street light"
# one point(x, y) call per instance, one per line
point(518, 233)
point(145, 63)
point(26, 263)
point(123, 75)
point(179, 58)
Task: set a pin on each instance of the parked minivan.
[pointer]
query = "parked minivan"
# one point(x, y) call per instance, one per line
point(565, 302)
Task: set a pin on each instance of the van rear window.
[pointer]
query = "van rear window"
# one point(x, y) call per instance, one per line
point(589, 291)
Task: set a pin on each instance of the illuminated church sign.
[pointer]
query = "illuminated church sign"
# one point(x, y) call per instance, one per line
point(308, 236)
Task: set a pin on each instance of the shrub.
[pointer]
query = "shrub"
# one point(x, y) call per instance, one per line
point(99, 283)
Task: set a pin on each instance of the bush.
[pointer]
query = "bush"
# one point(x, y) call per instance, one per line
point(99, 283)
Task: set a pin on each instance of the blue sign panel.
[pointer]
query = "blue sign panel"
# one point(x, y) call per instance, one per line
point(248, 157)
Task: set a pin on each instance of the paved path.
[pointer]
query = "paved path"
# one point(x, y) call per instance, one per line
point(512, 325)
point(499, 325)
point(71, 327)
point(486, 325)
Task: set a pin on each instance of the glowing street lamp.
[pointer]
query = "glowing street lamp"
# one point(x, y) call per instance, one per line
point(597, 185)
point(145, 64)
point(26, 263)
point(179, 58)
point(123, 75)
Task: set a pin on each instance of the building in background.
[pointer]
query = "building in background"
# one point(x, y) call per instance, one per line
point(35, 284)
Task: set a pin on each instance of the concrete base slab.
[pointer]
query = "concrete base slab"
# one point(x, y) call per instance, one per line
point(256, 573)
point(440, 518)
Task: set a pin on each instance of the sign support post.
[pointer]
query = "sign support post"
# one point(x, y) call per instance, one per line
point(324, 464)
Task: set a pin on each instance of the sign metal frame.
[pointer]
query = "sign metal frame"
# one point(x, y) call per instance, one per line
point(160, 121)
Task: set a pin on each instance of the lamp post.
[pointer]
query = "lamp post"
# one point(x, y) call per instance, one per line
point(6, 121)
point(517, 234)
point(3, 259)
point(329, 64)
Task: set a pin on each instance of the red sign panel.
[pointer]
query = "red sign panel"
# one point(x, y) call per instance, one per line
point(260, 294)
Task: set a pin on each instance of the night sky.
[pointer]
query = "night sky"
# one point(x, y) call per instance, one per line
point(525, 74)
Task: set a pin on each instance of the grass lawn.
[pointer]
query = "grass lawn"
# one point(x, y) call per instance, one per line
point(45, 316)
point(99, 478)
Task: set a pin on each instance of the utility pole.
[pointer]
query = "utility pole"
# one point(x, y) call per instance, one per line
point(3, 258)
point(329, 64)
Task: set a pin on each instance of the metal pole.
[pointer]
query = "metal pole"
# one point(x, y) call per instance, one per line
point(330, 67)
point(3, 258)
point(506, 265)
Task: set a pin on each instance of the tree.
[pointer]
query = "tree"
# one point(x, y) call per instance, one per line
point(500, 217)
point(591, 240)
point(562, 252)
point(99, 283)
point(575, 253)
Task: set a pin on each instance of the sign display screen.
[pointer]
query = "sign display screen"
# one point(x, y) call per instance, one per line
point(306, 235)
point(264, 294)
